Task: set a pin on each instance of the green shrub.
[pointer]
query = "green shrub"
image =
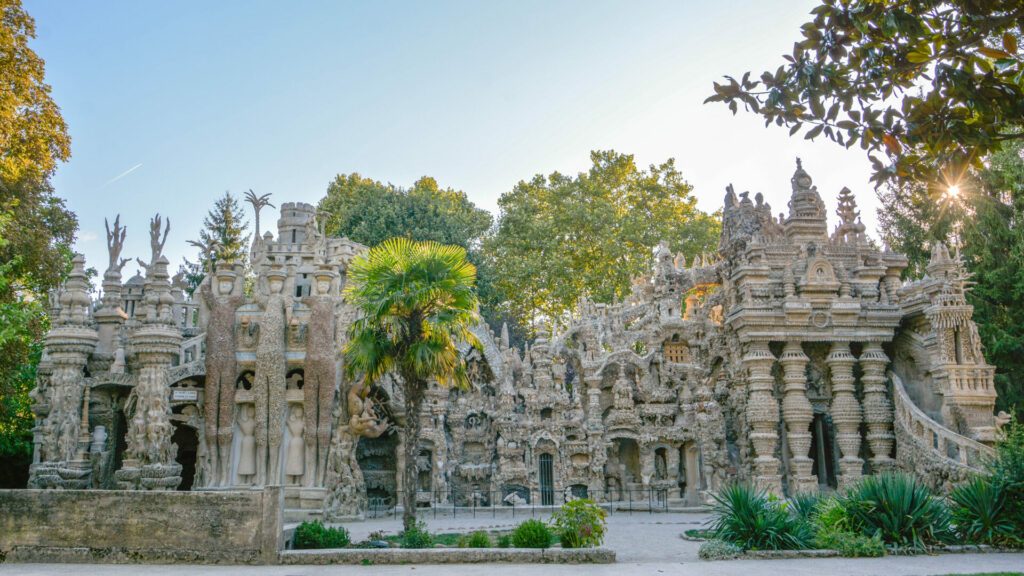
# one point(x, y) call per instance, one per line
point(416, 537)
point(979, 513)
point(479, 539)
point(830, 515)
point(898, 509)
point(310, 535)
point(850, 544)
point(580, 524)
point(532, 534)
point(718, 550)
point(1007, 473)
point(505, 541)
point(751, 520)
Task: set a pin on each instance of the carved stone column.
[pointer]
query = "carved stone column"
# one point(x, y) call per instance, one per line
point(846, 412)
point(68, 346)
point(763, 416)
point(150, 456)
point(798, 415)
point(877, 407)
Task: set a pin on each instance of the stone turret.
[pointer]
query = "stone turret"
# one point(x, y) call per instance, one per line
point(295, 216)
point(806, 221)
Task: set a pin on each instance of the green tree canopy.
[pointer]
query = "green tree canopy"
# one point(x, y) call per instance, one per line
point(223, 239)
point(933, 85)
point(986, 221)
point(36, 230)
point(418, 303)
point(370, 212)
point(563, 237)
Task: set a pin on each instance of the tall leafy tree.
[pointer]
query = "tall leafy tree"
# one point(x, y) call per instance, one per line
point(985, 220)
point(36, 230)
point(928, 87)
point(563, 237)
point(369, 212)
point(223, 239)
point(418, 303)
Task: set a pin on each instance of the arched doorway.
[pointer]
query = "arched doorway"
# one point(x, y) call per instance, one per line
point(187, 440)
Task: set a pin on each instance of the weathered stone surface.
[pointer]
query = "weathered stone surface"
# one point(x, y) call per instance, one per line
point(118, 526)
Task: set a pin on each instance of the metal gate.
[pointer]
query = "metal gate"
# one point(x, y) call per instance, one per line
point(547, 480)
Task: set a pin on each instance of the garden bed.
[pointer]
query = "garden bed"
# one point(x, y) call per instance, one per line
point(369, 556)
point(820, 553)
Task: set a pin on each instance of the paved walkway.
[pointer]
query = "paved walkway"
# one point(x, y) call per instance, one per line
point(646, 544)
point(889, 566)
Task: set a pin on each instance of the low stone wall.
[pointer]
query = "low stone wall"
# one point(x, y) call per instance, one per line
point(450, 556)
point(117, 526)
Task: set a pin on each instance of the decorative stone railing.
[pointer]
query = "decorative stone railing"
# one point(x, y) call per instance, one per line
point(191, 349)
point(933, 440)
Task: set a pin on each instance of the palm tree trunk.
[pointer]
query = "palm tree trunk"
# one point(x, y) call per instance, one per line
point(413, 404)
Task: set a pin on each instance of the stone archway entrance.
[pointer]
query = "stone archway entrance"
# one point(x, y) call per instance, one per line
point(187, 440)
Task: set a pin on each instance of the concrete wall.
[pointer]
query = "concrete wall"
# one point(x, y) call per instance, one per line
point(126, 526)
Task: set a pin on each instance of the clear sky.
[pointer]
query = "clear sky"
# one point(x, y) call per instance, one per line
point(169, 104)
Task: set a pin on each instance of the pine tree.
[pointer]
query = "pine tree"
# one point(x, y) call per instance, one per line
point(223, 239)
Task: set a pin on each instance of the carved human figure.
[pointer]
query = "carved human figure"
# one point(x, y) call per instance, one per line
point(363, 420)
point(247, 450)
point(320, 375)
point(295, 461)
point(270, 381)
point(221, 300)
point(660, 467)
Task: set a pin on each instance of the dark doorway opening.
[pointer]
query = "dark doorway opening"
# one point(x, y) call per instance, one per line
point(187, 440)
point(823, 451)
point(547, 480)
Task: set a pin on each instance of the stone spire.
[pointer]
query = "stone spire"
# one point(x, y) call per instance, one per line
point(850, 229)
point(806, 221)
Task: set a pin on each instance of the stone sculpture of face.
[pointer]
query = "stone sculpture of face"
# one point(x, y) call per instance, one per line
point(296, 412)
point(323, 286)
point(276, 284)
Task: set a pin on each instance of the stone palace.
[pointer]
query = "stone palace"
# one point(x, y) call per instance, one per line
point(793, 358)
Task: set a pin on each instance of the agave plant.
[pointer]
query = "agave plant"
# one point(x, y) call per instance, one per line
point(979, 513)
point(899, 510)
point(804, 505)
point(747, 518)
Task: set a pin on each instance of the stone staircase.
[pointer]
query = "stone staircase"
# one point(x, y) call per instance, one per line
point(301, 504)
point(930, 450)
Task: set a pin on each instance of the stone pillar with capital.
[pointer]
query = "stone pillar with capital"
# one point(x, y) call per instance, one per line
point(798, 415)
point(762, 416)
point(68, 347)
point(846, 412)
point(149, 462)
point(877, 407)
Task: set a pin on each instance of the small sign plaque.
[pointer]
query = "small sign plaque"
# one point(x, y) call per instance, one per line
point(184, 395)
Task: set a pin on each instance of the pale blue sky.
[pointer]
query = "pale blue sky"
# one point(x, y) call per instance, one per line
point(195, 98)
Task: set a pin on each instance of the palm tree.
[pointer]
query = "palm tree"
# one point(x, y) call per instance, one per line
point(417, 302)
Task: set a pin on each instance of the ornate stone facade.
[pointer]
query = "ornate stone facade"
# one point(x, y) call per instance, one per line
point(792, 358)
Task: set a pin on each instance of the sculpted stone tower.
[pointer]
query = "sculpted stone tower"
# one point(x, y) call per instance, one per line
point(149, 461)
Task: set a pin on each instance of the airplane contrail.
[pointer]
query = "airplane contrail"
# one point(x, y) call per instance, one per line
point(121, 175)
